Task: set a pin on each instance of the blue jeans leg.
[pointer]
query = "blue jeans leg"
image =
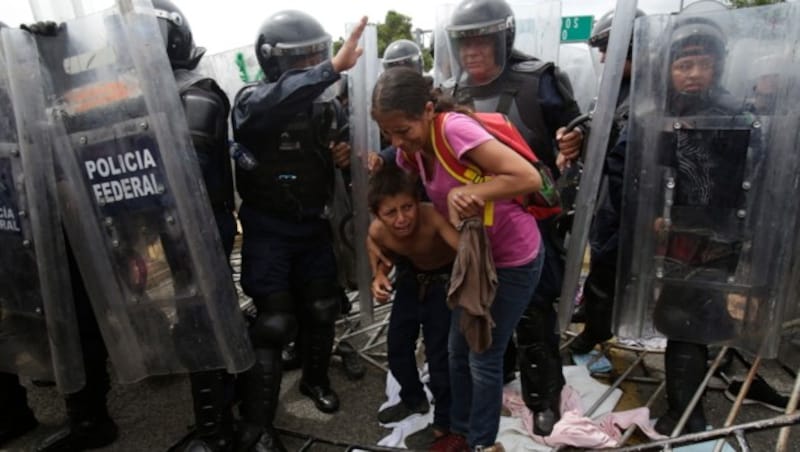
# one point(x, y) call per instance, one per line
point(435, 320)
point(477, 378)
point(404, 326)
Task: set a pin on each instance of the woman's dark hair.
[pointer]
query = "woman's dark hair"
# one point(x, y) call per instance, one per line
point(389, 180)
point(405, 90)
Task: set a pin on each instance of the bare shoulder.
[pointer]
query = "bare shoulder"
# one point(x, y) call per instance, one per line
point(429, 214)
point(377, 231)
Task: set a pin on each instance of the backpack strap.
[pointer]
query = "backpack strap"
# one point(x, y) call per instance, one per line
point(464, 173)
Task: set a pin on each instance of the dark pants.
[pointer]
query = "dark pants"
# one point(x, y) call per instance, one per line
point(90, 401)
point(420, 300)
point(280, 256)
point(540, 310)
point(598, 295)
point(13, 398)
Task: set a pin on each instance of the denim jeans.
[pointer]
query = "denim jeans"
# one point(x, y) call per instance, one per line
point(410, 310)
point(476, 379)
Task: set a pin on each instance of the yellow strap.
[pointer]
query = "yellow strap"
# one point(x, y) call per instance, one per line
point(472, 174)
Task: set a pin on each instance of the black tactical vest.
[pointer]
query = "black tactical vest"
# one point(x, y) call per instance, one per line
point(516, 93)
point(295, 171)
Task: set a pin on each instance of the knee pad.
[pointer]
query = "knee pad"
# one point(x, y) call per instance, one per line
point(323, 311)
point(273, 330)
point(321, 299)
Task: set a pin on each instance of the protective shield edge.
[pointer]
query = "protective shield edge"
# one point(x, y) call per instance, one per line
point(603, 117)
point(142, 28)
point(24, 74)
point(365, 136)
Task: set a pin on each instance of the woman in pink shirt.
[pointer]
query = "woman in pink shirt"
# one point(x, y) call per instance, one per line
point(405, 108)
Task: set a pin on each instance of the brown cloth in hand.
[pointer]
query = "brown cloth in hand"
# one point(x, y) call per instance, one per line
point(473, 284)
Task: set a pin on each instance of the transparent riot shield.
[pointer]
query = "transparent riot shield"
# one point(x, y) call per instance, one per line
point(577, 62)
point(789, 351)
point(537, 30)
point(136, 212)
point(38, 327)
point(232, 69)
point(364, 136)
point(595, 154)
point(63, 10)
point(442, 59)
point(709, 215)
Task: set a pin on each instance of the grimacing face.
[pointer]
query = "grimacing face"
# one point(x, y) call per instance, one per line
point(404, 132)
point(399, 214)
point(693, 74)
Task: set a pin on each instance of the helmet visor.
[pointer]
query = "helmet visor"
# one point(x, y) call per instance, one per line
point(479, 53)
point(302, 55)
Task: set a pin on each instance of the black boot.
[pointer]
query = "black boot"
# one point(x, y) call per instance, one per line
point(316, 361)
point(213, 430)
point(510, 361)
point(542, 380)
point(351, 361)
point(291, 357)
point(685, 365)
point(89, 425)
point(16, 418)
point(259, 390)
point(598, 299)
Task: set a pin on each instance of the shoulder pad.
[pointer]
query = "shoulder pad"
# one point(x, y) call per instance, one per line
point(245, 90)
point(531, 66)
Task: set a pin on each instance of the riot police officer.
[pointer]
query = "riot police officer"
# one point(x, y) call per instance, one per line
point(287, 122)
point(537, 97)
point(16, 418)
point(704, 169)
point(207, 108)
point(598, 291)
point(403, 52)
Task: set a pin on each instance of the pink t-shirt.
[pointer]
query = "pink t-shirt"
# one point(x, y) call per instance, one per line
point(514, 235)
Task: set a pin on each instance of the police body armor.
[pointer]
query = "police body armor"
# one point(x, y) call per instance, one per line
point(295, 172)
point(206, 106)
point(512, 89)
point(709, 212)
point(138, 212)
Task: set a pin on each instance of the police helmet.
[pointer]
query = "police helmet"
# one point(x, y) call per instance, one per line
point(177, 36)
point(483, 17)
point(290, 40)
point(602, 30)
point(403, 52)
point(697, 36)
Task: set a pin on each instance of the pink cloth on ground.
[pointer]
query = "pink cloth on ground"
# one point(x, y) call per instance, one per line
point(575, 429)
point(514, 237)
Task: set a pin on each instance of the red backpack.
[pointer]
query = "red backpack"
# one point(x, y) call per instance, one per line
point(541, 204)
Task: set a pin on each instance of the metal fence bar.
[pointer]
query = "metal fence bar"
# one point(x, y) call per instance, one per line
point(615, 385)
point(791, 407)
point(763, 424)
point(697, 395)
point(737, 404)
point(629, 431)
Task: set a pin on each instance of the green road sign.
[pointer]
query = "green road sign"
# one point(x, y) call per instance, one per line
point(576, 28)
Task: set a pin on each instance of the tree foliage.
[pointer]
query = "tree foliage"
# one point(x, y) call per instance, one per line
point(395, 26)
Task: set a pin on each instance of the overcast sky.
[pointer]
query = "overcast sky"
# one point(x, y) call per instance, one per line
point(221, 25)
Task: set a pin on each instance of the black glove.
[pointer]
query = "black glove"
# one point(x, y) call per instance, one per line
point(42, 28)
